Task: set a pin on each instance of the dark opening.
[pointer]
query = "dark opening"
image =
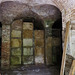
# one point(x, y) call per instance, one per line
point(38, 24)
point(57, 33)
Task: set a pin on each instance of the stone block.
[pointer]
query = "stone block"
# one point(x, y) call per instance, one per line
point(27, 51)
point(15, 33)
point(27, 34)
point(27, 42)
point(27, 59)
point(39, 42)
point(16, 42)
point(39, 51)
point(39, 59)
point(16, 51)
point(27, 25)
point(15, 60)
point(17, 24)
point(39, 34)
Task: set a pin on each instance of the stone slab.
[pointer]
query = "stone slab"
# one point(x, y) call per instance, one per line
point(16, 51)
point(39, 34)
point(27, 51)
point(15, 60)
point(27, 42)
point(39, 42)
point(27, 33)
point(17, 24)
point(27, 59)
point(15, 33)
point(16, 42)
point(39, 51)
point(27, 25)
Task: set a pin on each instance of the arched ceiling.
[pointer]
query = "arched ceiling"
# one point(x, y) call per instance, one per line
point(13, 10)
point(58, 3)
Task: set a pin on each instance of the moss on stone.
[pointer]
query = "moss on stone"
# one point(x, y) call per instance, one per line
point(15, 60)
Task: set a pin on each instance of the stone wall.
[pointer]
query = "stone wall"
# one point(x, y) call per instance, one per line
point(5, 51)
point(67, 8)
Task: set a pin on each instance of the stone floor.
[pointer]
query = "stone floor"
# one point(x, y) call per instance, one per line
point(33, 70)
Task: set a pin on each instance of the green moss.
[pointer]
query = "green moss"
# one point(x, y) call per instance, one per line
point(15, 60)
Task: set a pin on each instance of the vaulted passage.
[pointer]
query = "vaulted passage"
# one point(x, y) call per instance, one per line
point(32, 42)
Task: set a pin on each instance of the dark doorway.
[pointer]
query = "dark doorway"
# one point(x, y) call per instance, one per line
point(57, 48)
